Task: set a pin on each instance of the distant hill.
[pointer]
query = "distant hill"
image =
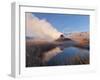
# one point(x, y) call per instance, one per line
point(80, 37)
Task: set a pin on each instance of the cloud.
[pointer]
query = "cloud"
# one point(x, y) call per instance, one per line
point(40, 28)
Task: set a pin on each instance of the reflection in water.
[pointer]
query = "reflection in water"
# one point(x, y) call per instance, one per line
point(70, 56)
point(48, 55)
point(44, 53)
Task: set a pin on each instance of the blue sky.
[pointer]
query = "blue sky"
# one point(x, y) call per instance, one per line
point(66, 23)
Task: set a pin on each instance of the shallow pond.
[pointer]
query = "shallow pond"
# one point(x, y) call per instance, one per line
point(70, 56)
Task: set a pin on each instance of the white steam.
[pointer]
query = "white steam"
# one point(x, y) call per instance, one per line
point(40, 28)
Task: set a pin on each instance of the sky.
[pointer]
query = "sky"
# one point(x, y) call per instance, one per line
point(66, 23)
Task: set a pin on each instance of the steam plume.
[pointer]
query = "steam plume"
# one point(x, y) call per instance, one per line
point(40, 28)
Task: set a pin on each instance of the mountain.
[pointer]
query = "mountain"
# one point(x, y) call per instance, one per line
point(79, 37)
